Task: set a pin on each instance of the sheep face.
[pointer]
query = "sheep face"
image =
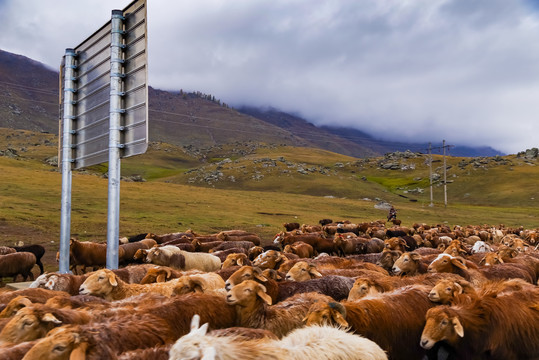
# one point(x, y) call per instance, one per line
point(27, 325)
point(61, 343)
point(440, 326)
point(101, 283)
point(156, 274)
point(406, 263)
point(362, 287)
point(491, 259)
point(302, 271)
point(242, 274)
point(321, 313)
point(15, 305)
point(193, 345)
point(445, 263)
point(444, 291)
point(269, 259)
point(234, 259)
point(247, 294)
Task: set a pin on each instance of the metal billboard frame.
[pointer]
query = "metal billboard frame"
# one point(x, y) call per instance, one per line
point(104, 112)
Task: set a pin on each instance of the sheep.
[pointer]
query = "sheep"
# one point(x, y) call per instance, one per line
point(222, 254)
point(315, 342)
point(368, 285)
point(446, 291)
point(494, 327)
point(104, 283)
point(477, 276)
point(198, 283)
point(160, 274)
point(411, 263)
point(235, 259)
point(34, 321)
point(301, 249)
point(205, 246)
point(182, 260)
point(86, 253)
point(481, 247)
point(255, 239)
point(37, 250)
point(16, 352)
point(388, 258)
point(253, 308)
point(291, 226)
point(350, 245)
point(160, 239)
point(254, 252)
point(317, 240)
point(245, 245)
point(160, 352)
point(271, 259)
point(15, 305)
point(19, 263)
point(381, 319)
point(332, 263)
point(4, 250)
point(130, 249)
point(302, 271)
point(337, 287)
point(101, 340)
point(34, 295)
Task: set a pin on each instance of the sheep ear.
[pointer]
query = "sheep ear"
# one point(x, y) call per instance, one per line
point(500, 260)
point(458, 327)
point(458, 289)
point(459, 262)
point(169, 274)
point(195, 321)
point(314, 271)
point(483, 260)
point(161, 278)
point(339, 319)
point(257, 273)
point(79, 353)
point(261, 292)
point(209, 353)
point(240, 262)
point(415, 256)
point(203, 329)
point(196, 285)
point(112, 279)
point(48, 317)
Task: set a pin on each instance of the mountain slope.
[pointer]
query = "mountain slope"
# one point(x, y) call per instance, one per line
point(29, 100)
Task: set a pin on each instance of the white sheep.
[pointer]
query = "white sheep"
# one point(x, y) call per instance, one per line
point(313, 342)
point(172, 256)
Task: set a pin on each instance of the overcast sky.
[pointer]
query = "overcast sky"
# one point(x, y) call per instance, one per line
point(466, 71)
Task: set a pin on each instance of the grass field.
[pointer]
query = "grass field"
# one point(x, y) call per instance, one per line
point(336, 186)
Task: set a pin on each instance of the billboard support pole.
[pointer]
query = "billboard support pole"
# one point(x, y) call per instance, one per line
point(67, 154)
point(116, 110)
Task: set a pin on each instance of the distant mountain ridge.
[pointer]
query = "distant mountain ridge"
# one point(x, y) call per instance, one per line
point(29, 100)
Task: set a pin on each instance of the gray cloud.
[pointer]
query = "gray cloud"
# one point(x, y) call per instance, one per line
point(424, 70)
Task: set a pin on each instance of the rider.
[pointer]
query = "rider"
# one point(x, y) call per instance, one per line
point(392, 214)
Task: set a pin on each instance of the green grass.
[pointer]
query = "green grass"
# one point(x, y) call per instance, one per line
point(30, 188)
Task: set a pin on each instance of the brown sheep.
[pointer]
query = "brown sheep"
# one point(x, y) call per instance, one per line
point(235, 259)
point(302, 271)
point(381, 319)
point(291, 226)
point(19, 263)
point(489, 327)
point(199, 283)
point(254, 310)
point(301, 249)
point(160, 274)
point(86, 253)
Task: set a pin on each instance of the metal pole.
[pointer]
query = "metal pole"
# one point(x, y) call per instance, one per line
point(430, 174)
point(69, 111)
point(445, 178)
point(116, 74)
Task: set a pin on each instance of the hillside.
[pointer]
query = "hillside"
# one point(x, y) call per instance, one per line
point(29, 100)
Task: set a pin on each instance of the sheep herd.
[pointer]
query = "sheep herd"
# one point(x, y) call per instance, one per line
point(335, 290)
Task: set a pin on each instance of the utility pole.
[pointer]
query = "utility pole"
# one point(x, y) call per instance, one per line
point(445, 177)
point(430, 174)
